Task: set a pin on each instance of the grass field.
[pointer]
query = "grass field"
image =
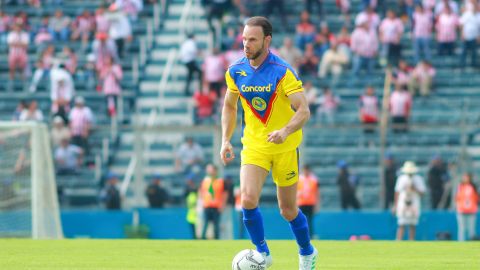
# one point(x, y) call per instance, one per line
point(217, 255)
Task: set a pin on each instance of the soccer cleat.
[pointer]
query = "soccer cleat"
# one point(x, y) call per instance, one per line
point(308, 262)
point(268, 259)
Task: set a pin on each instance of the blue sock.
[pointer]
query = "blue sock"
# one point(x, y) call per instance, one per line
point(299, 226)
point(252, 218)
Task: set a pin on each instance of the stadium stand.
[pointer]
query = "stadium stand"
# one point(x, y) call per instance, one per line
point(440, 124)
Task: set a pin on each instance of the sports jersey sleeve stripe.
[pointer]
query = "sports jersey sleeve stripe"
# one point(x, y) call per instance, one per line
point(290, 83)
point(232, 87)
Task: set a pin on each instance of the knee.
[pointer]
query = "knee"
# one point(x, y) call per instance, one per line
point(289, 212)
point(249, 201)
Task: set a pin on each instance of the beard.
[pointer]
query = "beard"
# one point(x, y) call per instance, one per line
point(258, 53)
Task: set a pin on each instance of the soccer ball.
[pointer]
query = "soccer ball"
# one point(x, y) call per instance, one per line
point(248, 259)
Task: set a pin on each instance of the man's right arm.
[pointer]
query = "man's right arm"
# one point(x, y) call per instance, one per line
point(229, 115)
point(229, 120)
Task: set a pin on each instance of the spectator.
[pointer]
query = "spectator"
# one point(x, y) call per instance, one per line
point(446, 27)
point(43, 36)
point(370, 17)
point(22, 105)
point(111, 76)
point(470, 26)
point(214, 198)
point(309, 61)
point(308, 196)
point(87, 72)
point(422, 79)
point(120, 29)
point(188, 55)
point(327, 106)
point(62, 90)
point(467, 199)
point(130, 7)
point(408, 189)
point(32, 113)
point(428, 5)
point(391, 31)
point(402, 75)
point(205, 105)
point(104, 47)
point(305, 31)
point(157, 195)
point(82, 28)
point(333, 61)
point(311, 93)
point(101, 21)
point(348, 185)
point(214, 71)
point(320, 45)
point(81, 121)
point(438, 180)
point(400, 106)
point(110, 194)
point(290, 53)
point(191, 197)
point(18, 41)
point(343, 39)
point(59, 132)
point(364, 46)
point(390, 179)
point(369, 110)
point(189, 157)
point(44, 64)
point(422, 32)
point(69, 59)
point(68, 158)
point(60, 26)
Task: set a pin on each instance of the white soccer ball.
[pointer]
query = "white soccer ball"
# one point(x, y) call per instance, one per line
point(248, 259)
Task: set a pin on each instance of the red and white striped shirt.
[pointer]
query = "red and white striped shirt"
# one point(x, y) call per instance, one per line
point(364, 43)
point(111, 80)
point(400, 103)
point(391, 30)
point(422, 24)
point(369, 107)
point(81, 119)
point(18, 42)
point(447, 27)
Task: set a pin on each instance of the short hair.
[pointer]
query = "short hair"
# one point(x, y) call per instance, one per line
point(262, 22)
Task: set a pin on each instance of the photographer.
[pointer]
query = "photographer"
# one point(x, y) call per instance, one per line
point(408, 189)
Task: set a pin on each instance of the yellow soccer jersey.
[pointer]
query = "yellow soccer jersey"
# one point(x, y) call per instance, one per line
point(264, 95)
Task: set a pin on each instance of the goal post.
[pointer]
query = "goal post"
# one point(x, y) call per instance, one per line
point(28, 194)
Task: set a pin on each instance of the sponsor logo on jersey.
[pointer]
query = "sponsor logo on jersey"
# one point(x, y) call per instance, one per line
point(256, 88)
point(259, 104)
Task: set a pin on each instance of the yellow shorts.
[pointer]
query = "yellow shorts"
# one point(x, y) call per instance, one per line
point(284, 166)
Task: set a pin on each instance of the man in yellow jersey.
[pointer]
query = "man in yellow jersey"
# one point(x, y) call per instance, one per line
point(275, 109)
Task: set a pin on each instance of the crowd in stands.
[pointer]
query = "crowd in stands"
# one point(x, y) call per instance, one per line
point(375, 36)
point(99, 36)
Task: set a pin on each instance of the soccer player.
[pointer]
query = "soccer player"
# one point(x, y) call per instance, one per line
point(275, 109)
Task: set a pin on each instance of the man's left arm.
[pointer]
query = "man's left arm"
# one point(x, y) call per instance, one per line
point(301, 116)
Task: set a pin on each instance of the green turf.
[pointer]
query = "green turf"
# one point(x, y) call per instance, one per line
point(217, 255)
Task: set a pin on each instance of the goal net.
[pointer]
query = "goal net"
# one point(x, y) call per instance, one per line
point(28, 194)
